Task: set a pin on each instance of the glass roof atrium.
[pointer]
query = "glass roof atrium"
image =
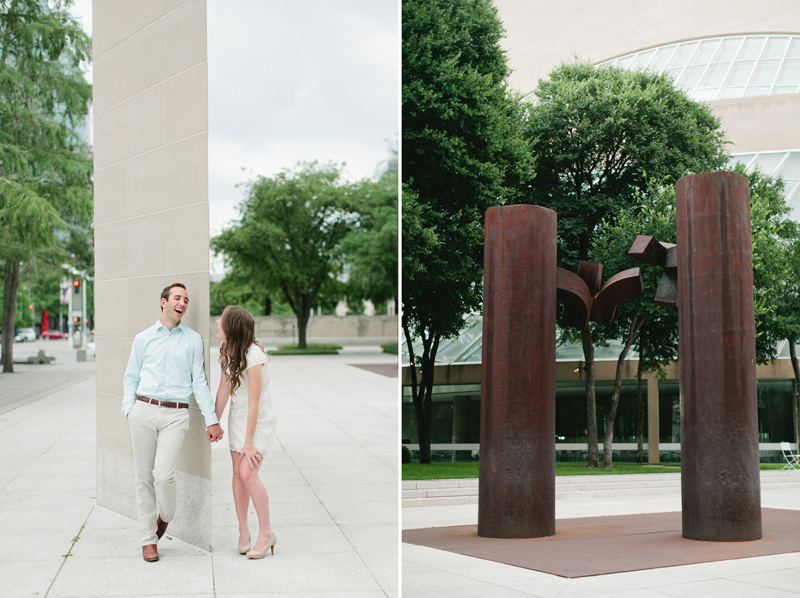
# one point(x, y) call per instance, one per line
point(785, 164)
point(726, 67)
point(467, 347)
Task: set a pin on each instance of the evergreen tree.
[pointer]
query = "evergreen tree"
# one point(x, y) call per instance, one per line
point(45, 163)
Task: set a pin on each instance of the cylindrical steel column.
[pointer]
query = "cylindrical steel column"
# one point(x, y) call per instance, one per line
point(721, 493)
point(518, 386)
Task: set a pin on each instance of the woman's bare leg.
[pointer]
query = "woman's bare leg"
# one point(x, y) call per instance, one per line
point(241, 499)
point(258, 493)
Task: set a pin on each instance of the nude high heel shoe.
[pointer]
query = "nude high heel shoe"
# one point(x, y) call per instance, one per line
point(260, 555)
point(244, 549)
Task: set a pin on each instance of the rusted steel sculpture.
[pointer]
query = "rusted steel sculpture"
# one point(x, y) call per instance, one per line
point(583, 298)
point(720, 487)
point(516, 495)
point(646, 250)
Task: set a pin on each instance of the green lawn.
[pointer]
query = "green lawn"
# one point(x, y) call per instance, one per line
point(390, 348)
point(311, 349)
point(450, 471)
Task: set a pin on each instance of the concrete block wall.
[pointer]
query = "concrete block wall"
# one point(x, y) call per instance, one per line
point(151, 221)
point(344, 330)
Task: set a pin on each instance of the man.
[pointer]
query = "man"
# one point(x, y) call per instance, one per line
point(164, 369)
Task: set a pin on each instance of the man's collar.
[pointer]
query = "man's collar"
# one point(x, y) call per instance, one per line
point(159, 325)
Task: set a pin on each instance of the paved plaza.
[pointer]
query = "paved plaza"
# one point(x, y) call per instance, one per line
point(332, 481)
point(429, 573)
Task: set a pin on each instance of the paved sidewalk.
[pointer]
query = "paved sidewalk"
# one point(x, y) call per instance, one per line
point(427, 572)
point(332, 483)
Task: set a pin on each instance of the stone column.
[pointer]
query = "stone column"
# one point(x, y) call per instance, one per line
point(721, 494)
point(517, 462)
point(653, 428)
point(151, 221)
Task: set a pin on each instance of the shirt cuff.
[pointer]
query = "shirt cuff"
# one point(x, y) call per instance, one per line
point(211, 419)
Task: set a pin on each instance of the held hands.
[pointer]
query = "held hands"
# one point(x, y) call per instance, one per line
point(252, 455)
point(215, 433)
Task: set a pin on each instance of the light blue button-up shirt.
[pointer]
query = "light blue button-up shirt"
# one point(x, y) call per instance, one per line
point(167, 365)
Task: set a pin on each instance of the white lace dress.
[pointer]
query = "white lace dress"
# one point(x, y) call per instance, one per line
point(267, 415)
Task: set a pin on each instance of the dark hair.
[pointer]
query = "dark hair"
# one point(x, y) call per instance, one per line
point(240, 332)
point(165, 292)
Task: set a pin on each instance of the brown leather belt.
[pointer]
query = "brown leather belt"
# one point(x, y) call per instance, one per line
point(163, 403)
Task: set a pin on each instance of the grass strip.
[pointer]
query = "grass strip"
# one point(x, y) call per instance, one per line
point(452, 471)
point(311, 349)
point(390, 348)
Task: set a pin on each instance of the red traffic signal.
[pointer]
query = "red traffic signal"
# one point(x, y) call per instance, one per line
point(76, 283)
point(30, 306)
point(76, 319)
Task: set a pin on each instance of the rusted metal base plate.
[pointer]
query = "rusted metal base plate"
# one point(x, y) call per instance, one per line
point(384, 369)
point(602, 545)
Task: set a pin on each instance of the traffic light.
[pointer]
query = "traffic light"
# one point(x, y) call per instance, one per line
point(76, 319)
point(76, 284)
point(30, 306)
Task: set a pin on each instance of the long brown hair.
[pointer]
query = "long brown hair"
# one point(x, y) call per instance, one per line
point(240, 332)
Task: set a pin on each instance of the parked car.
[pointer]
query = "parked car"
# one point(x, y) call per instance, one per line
point(25, 335)
point(53, 334)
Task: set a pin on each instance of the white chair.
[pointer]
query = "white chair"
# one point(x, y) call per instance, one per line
point(792, 459)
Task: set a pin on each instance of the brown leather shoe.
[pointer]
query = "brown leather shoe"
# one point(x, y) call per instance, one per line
point(161, 527)
point(150, 553)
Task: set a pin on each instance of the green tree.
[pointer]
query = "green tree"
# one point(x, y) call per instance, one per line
point(237, 288)
point(786, 322)
point(370, 249)
point(599, 133)
point(289, 237)
point(464, 151)
point(45, 164)
point(776, 274)
point(638, 318)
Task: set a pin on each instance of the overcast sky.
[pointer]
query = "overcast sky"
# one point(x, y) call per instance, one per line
point(296, 81)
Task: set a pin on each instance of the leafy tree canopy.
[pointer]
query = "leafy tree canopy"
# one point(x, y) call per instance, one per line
point(600, 133)
point(462, 131)
point(289, 237)
point(371, 248)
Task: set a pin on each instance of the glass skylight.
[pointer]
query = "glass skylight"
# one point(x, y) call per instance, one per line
point(784, 163)
point(726, 67)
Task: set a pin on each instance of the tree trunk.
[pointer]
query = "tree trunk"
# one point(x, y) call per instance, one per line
point(302, 327)
point(591, 403)
point(640, 414)
point(796, 368)
point(422, 391)
point(9, 312)
point(302, 321)
point(611, 416)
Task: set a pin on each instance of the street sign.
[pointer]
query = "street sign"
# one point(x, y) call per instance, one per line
point(64, 289)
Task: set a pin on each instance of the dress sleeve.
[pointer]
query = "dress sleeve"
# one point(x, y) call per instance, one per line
point(255, 356)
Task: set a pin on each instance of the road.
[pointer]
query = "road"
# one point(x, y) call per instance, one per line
point(29, 382)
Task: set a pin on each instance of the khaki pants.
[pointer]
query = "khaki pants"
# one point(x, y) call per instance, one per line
point(156, 438)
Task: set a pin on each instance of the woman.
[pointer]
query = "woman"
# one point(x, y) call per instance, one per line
point(251, 421)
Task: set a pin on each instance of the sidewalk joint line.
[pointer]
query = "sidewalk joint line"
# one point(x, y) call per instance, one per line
point(69, 552)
